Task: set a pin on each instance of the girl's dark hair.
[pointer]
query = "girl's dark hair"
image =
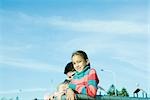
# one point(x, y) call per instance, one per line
point(82, 54)
point(69, 68)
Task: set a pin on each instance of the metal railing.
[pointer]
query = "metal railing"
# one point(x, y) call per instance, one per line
point(101, 97)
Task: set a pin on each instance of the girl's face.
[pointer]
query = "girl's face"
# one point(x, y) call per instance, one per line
point(79, 63)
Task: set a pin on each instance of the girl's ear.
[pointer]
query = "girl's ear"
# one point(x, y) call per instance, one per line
point(87, 61)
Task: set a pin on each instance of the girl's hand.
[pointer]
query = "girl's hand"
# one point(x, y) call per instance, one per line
point(70, 95)
point(49, 97)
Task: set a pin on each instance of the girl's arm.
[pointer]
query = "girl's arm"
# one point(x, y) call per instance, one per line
point(90, 86)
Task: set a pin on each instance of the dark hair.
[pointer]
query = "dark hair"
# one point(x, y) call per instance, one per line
point(69, 67)
point(82, 54)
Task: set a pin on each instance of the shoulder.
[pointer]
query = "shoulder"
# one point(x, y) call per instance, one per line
point(92, 70)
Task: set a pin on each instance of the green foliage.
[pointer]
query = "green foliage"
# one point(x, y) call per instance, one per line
point(6, 98)
point(112, 89)
point(123, 93)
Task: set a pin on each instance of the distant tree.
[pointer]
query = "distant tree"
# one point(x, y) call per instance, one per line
point(117, 92)
point(123, 93)
point(3, 98)
point(111, 90)
point(11, 99)
point(17, 98)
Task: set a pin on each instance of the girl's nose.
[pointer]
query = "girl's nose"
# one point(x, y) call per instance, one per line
point(77, 66)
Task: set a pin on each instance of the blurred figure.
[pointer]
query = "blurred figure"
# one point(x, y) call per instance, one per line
point(61, 90)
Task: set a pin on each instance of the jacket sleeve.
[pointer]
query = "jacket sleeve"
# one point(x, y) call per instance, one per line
point(93, 81)
point(90, 86)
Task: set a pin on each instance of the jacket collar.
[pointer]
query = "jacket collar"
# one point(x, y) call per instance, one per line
point(83, 71)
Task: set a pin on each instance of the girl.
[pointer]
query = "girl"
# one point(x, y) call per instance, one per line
point(85, 80)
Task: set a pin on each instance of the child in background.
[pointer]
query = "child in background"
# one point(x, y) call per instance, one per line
point(69, 71)
point(85, 80)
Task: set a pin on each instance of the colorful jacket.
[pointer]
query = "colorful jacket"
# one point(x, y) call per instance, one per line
point(85, 82)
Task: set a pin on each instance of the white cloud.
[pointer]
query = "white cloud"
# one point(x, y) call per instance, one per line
point(23, 90)
point(135, 62)
point(29, 64)
point(21, 47)
point(82, 25)
point(112, 26)
point(129, 53)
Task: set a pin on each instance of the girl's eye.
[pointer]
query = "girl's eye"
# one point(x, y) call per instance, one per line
point(79, 61)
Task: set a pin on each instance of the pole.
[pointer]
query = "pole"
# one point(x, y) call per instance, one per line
point(114, 78)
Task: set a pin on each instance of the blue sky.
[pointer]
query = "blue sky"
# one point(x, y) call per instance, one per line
point(37, 39)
